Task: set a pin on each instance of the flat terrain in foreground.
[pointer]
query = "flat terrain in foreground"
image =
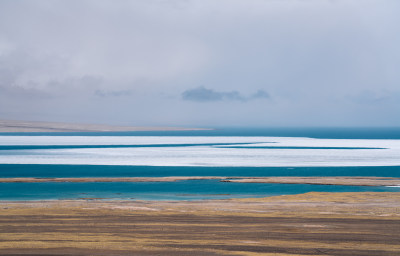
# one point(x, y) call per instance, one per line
point(307, 224)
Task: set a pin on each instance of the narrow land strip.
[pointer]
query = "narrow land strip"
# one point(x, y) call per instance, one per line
point(350, 181)
point(29, 126)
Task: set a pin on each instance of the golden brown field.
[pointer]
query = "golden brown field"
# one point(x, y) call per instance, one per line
point(307, 224)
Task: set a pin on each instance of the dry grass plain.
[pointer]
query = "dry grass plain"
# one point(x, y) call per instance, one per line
point(306, 224)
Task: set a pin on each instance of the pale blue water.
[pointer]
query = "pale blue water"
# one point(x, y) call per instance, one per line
point(322, 133)
point(186, 190)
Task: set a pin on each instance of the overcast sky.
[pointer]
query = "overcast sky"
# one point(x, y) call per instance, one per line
point(201, 63)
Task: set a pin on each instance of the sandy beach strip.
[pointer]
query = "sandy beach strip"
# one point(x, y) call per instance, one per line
point(308, 224)
point(345, 181)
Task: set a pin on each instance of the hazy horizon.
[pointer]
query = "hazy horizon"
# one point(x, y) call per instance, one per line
point(201, 63)
point(244, 126)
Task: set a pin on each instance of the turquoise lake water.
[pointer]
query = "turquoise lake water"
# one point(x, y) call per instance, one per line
point(180, 190)
point(39, 157)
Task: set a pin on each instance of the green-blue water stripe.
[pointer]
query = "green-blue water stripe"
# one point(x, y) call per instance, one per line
point(51, 171)
point(182, 190)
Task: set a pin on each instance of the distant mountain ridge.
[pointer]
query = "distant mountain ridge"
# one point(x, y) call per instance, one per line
point(35, 126)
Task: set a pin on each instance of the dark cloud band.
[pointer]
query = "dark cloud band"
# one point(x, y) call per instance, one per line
point(202, 94)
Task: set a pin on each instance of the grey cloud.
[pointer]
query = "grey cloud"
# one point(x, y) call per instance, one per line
point(377, 97)
point(260, 94)
point(202, 94)
point(371, 97)
point(103, 93)
point(19, 92)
